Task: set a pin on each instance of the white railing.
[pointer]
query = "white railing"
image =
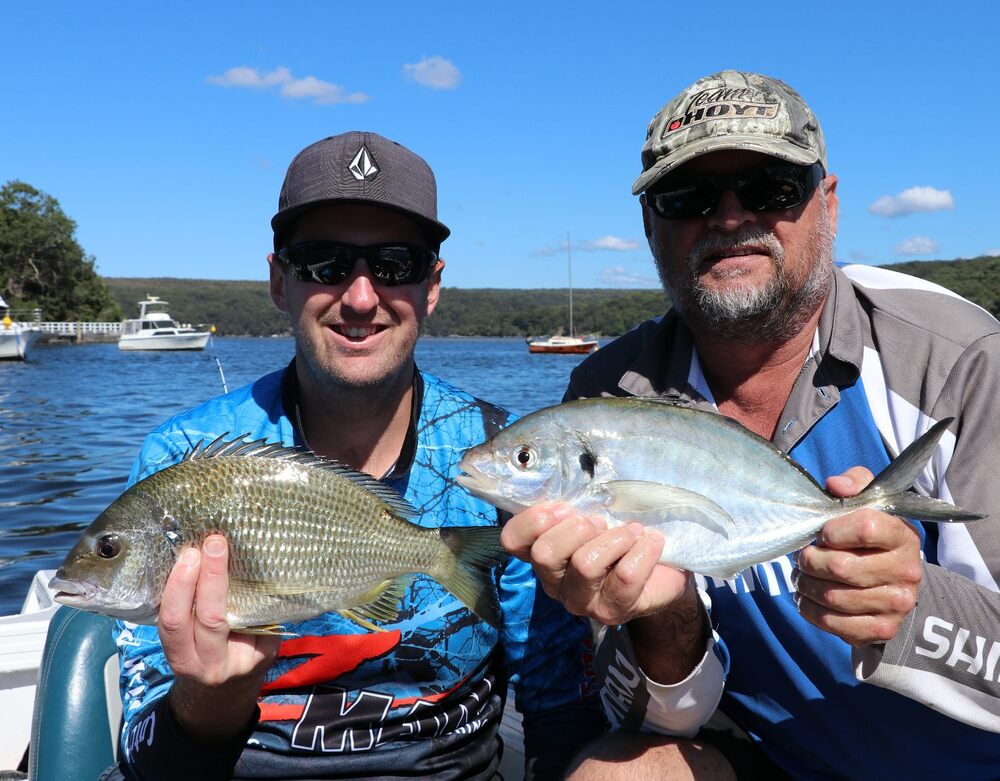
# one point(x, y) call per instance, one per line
point(74, 329)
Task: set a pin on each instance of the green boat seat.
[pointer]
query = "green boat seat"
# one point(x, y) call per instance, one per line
point(77, 716)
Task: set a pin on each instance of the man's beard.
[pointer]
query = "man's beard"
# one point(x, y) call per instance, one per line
point(772, 312)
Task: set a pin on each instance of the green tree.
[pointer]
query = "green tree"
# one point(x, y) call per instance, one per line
point(42, 264)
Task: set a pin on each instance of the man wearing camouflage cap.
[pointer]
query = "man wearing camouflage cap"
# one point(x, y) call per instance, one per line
point(872, 653)
point(356, 268)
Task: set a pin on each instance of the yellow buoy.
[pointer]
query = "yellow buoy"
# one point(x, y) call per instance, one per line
point(7, 322)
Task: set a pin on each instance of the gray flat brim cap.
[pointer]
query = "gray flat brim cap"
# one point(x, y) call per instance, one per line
point(359, 167)
point(730, 110)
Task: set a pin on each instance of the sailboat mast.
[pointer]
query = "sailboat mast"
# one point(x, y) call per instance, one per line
point(569, 269)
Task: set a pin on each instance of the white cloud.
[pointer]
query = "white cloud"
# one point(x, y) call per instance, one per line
point(434, 72)
point(613, 243)
point(609, 243)
point(619, 276)
point(918, 245)
point(860, 256)
point(992, 253)
point(319, 91)
point(912, 200)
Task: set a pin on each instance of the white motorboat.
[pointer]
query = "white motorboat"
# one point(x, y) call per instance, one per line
point(15, 338)
point(154, 329)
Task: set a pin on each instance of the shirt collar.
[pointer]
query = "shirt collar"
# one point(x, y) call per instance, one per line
point(290, 399)
point(667, 364)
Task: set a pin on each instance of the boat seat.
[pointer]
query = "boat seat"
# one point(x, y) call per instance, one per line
point(77, 716)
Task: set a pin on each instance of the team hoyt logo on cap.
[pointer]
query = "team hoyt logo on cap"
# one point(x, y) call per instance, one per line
point(363, 166)
point(723, 103)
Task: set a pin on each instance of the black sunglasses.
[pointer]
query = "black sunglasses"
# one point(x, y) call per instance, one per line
point(331, 262)
point(771, 188)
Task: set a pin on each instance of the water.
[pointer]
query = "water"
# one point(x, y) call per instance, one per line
point(72, 418)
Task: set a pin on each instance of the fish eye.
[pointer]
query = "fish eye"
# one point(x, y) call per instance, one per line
point(524, 457)
point(109, 546)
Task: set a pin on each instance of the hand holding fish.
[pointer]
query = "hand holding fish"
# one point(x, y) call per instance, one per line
point(609, 575)
point(218, 673)
point(860, 580)
point(614, 577)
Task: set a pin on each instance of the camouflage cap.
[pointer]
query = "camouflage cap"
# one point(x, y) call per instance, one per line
point(730, 110)
point(359, 167)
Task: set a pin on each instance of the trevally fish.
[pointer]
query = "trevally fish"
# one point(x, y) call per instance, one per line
point(306, 535)
point(723, 497)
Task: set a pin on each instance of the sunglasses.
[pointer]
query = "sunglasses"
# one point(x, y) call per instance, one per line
point(771, 188)
point(331, 262)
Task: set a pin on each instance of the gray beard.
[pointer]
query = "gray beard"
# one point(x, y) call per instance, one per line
point(773, 312)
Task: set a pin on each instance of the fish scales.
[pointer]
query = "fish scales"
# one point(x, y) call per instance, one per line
point(306, 536)
point(724, 497)
point(292, 525)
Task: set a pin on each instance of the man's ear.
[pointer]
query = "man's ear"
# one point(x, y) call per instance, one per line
point(832, 201)
point(647, 225)
point(434, 286)
point(277, 282)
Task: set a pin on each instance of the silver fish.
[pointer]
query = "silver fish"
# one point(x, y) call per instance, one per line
point(306, 536)
point(723, 497)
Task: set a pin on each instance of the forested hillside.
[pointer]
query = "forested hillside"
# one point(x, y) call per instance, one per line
point(245, 308)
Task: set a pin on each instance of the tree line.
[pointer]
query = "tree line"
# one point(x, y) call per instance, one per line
point(43, 266)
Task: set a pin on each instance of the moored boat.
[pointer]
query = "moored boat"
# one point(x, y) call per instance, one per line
point(154, 329)
point(570, 345)
point(15, 338)
point(566, 345)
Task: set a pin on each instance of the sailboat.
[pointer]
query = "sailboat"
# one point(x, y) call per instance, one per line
point(565, 344)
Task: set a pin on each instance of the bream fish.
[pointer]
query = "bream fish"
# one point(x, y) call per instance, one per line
point(306, 536)
point(723, 497)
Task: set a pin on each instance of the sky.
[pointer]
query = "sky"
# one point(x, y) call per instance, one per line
point(164, 130)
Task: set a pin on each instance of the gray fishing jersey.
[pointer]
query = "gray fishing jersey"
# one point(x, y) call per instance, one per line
point(892, 355)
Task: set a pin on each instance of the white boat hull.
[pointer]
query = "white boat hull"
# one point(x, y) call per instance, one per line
point(191, 341)
point(22, 639)
point(15, 341)
point(564, 345)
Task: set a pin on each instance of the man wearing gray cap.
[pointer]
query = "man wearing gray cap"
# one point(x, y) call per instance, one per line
point(872, 653)
point(356, 267)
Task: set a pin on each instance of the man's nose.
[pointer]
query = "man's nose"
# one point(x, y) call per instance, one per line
point(360, 294)
point(730, 213)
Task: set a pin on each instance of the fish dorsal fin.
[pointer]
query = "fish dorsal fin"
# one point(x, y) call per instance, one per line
point(649, 503)
point(221, 447)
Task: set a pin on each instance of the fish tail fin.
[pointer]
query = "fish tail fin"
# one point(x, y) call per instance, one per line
point(890, 490)
point(465, 567)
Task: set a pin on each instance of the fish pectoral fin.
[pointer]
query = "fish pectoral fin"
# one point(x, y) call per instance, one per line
point(644, 502)
point(380, 603)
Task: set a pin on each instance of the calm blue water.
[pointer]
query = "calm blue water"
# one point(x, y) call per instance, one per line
point(72, 418)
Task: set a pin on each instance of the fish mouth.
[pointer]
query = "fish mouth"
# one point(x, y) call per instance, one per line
point(485, 487)
point(73, 592)
point(476, 482)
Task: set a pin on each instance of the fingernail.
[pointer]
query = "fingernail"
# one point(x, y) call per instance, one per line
point(637, 529)
point(597, 522)
point(189, 556)
point(215, 546)
point(560, 511)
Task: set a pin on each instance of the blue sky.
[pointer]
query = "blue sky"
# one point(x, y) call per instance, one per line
point(165, 129)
